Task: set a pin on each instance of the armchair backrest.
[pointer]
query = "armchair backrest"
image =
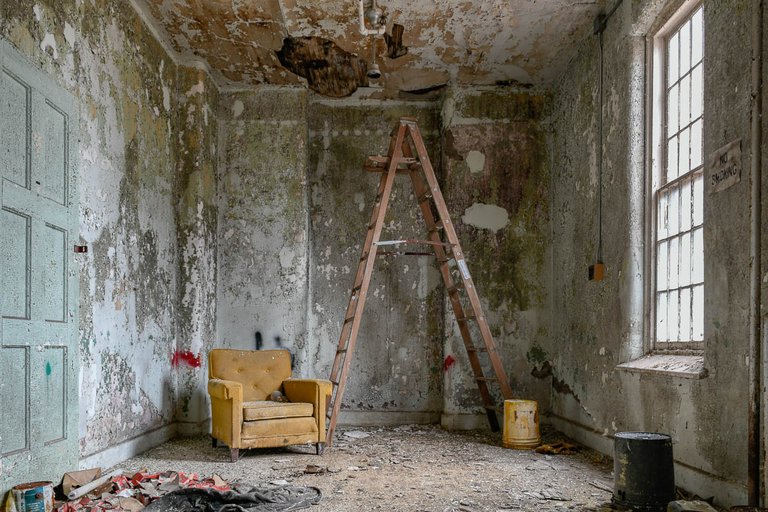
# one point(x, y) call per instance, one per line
point(259, 371)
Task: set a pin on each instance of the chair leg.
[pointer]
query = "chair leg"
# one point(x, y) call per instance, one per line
point(214, 442)
point(234, 454)
point(320, 448)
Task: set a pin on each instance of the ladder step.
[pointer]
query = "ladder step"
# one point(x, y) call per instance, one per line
point(453, 289)
point(349, 319)
point(466, 318)
point(341, 351)
point(487, 379)
point(477, 349)
point(425, 196)
point(412, 241)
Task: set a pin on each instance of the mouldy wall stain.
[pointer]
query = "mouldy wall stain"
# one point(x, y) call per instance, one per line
point(402, 323)
point(262, 233)
point(196, 215)
point(495, 184)
point(103, 54)
point(594, 324)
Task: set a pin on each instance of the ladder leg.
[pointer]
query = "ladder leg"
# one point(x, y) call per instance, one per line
point(347, 345)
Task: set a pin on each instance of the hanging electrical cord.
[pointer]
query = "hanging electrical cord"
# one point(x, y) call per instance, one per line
point(597, 271)
point(600, 154)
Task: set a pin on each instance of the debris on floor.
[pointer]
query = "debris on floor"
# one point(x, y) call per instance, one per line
point(130, 491)
point(411, 468)
point(558, 448)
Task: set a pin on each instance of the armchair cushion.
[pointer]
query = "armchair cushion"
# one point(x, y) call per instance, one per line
point(266, 410)
point(283, 428)
point(261, 372)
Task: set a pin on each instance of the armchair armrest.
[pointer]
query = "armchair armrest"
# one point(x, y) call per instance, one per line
point(314, 391)
point(226, 411)
point(225, 389)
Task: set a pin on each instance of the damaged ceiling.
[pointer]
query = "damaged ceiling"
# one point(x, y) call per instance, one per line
point(464, 42)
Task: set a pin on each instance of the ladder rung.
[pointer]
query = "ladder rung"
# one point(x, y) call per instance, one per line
point(453, 289)
point(466, 318)
point(493, 408)
point(487, 379)
point(404, 253)
point(341, 351)
point(425, 196)
point(477, 349)
point(436, 229)
point(446, 260)
point(412, 241)
point(349, 319)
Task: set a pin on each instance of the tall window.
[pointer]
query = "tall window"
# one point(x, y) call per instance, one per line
point(678, 184)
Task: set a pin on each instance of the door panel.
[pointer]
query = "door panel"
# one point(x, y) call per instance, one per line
point(15, 244)
point(51, 178)
point(14, 422)
point(15, 137)
point(54, 273)
point(55, 394)
point(38, 347)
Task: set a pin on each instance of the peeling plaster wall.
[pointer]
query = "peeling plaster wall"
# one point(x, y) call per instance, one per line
point(196, 215)
point(135, 190)
point(397, 366)
point(495, 183)
point(263, 231)
point(600, 324)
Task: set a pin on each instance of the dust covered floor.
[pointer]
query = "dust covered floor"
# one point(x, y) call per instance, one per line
point(408, 468)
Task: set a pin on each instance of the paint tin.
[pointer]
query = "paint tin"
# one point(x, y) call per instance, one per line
point(644, 471)
point(31, 497)
point(521, 424)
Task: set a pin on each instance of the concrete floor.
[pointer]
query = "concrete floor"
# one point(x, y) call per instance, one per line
point(408, 468)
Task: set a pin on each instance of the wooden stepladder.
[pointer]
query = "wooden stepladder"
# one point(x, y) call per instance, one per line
point(408, 155)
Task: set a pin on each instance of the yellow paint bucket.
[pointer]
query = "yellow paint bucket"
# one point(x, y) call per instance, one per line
point(521, 424)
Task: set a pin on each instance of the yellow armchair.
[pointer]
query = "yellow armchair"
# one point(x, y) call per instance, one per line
point(240, 383)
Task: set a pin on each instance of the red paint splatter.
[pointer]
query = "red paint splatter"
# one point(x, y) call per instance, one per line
point(186, 357)
point(449, 361)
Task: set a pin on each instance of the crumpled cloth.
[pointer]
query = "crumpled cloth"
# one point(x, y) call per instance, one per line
point(256, 499)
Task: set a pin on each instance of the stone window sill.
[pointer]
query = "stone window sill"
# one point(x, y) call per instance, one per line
point(687, 367)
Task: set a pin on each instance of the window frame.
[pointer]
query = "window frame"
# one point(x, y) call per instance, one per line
point(656, 131)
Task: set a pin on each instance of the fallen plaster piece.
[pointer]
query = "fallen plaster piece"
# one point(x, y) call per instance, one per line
point(476, 161)
point(356, 434)
point(486, 216)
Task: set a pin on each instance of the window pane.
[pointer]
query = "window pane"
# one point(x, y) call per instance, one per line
point(696, 144)
point(674, 246)
point(671, 160)
point(698, 200)
point(685, 47)
point(697, 257)
point(672, 58)
point(697, 36)
point(685, 314)
point(673, 316)
point(685, 259)
point(662, 333)
point(661, 268)
point(662, 220)
point(674, 211)
point(697, 92)
point(673, 106)
point(685, 205)
point(685, 101)
point(684, 151)
point(698, 313)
